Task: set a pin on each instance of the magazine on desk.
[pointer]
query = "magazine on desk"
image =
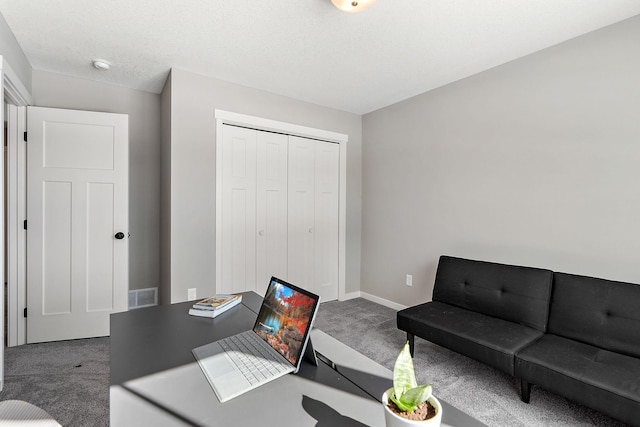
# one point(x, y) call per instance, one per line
point(215, 305)
point(217, 301)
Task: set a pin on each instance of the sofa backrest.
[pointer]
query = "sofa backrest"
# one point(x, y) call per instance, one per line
point(599, 312)
point(514, 293)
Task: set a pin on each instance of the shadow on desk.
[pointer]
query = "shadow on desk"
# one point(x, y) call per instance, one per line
point(316, 396)
point(326, 415)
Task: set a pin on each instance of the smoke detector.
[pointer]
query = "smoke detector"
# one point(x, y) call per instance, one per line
point(101, 64)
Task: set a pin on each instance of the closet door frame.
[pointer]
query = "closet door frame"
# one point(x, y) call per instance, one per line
point(223, 117)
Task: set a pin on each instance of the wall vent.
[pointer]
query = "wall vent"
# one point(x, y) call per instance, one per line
point(139, 298)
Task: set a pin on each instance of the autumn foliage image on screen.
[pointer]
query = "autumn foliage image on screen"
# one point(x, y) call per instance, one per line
point(283, 320)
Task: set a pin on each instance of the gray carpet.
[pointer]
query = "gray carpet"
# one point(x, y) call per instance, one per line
point(479, 390)
point(70, 379)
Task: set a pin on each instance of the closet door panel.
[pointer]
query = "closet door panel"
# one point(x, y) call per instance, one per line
point(271, 208)
point(238, 210)
point(301, 212)
point(326, 237)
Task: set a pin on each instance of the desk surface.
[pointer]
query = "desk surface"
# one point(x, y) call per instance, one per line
point(156, 381)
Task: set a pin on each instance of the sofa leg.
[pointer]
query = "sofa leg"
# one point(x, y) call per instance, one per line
point(525, 391)
point(411, 344)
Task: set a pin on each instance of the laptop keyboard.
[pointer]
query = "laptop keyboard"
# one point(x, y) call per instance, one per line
point(254, 357)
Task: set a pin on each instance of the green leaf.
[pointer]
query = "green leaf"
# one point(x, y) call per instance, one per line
point(399, 403)
point(404, 376)
point(412, 398)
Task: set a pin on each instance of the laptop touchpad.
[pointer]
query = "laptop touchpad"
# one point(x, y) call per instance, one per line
point(218, 368)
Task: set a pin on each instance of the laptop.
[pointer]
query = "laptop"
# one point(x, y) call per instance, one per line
point(273, 348)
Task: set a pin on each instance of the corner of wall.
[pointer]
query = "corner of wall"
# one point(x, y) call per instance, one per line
point(166, 106)
point(14, 55)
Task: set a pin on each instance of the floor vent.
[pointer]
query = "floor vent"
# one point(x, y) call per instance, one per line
point(139, 298)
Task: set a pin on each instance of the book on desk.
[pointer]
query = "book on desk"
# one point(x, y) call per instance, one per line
point(215, 305)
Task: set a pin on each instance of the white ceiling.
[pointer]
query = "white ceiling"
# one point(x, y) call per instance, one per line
point(304, 49)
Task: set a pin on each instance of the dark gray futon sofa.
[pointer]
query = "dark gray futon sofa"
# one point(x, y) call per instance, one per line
point(576, 336)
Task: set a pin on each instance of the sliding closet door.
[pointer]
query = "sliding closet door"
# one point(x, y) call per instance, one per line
point(271, 208)
point(238, 210)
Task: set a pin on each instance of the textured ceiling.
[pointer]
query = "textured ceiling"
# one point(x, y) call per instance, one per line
point(304, 49)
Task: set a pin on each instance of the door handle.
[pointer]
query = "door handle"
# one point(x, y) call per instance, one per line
point(119, 235)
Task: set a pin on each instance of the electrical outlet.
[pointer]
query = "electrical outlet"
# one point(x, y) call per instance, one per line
point(409, 281)
point(191, 294)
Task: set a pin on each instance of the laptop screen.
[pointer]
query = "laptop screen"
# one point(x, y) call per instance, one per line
point(285, 318)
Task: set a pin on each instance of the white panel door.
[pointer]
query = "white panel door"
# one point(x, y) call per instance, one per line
point(313, 215)
point(326, 237)
point(77, 211)
point(271, 208)
point(301, 212)
point(238, 210)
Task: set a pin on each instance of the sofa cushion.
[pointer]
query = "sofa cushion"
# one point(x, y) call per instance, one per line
point(598, 378)
point(488, 339)
point(514, 293)
point(600, 312)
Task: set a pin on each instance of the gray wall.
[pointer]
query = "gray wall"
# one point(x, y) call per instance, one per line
point(193, 101)
point(535, 162)
point(143, 108)
point(13, 54)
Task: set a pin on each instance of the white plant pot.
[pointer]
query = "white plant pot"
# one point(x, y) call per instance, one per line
point(394, 420)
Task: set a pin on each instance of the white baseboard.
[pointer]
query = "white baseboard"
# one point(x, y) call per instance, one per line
point(350, 295)
point(378, 300)
point(382, 301)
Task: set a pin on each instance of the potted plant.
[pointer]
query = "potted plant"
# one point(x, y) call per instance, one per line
point(407, 403)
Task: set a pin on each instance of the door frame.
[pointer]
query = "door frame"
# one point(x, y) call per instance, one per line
point(17, 95)
point(16, 234)
point(223, 117)
point(13, 93)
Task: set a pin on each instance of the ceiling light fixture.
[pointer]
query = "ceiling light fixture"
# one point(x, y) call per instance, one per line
point(101, 64)
point(352, 6)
